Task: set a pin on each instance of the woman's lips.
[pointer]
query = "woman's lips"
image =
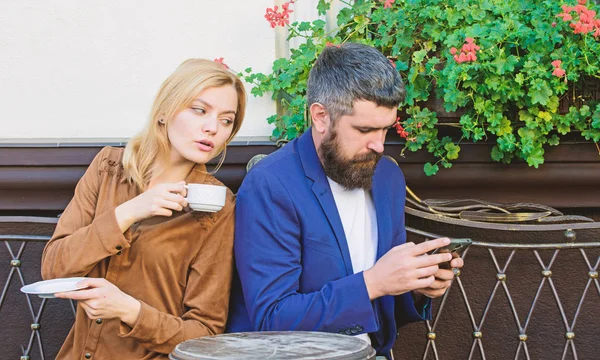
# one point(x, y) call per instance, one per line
point(205, 145)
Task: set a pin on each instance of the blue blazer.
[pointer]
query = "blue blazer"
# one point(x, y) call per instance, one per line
point(293, 264)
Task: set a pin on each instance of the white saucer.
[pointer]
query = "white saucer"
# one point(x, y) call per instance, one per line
point(47, 288)
point(205, 207)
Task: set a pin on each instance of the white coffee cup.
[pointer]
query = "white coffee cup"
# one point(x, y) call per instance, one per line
point(206, 197)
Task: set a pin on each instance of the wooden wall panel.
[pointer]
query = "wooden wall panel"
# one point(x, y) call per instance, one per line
point(43, 177)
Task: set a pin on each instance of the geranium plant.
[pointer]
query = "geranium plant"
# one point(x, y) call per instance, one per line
point(515, 72)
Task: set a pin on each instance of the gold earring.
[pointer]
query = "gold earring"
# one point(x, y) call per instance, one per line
point(161, 121)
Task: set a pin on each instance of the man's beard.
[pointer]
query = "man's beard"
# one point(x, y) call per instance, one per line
point(352, 173)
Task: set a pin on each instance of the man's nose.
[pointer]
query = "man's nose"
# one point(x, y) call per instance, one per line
point(210, 125)
point(376, 144)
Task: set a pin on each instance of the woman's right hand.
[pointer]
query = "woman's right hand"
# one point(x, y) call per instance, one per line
point(160, 200)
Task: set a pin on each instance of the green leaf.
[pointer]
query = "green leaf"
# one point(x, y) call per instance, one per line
point(584, 111)
point(323, 6)
point(563, 129)
point(453, 16)
point(419, 56)
point(596, 120)
point(319, 25)
point(496, 154)
point(554, 140)
point(520, 79)
point(401, 65)
point(430, 169)
point(504, 127)
point(536, 157)
point(304, 26)
point(453, 151)
point(539, 92)
point(492, 82)
point(499, 63)
point(506, 143)
point(478, 134)
point(525, 115)
point(546, 116)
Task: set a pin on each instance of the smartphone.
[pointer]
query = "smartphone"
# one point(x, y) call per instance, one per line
point(457, 245)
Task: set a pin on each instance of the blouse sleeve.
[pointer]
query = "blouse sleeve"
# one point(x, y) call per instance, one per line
point(206, 298)
point(83, 237)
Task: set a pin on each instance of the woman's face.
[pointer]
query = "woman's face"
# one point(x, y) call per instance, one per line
point(199, 132)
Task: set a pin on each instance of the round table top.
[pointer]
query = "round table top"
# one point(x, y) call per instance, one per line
point(275, 345)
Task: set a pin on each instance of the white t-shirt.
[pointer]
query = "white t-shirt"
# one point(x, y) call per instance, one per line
point(357, 212)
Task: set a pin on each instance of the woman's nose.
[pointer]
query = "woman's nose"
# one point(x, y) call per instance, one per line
point(210, 125)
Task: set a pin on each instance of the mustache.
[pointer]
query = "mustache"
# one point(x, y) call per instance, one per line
point(371, 156)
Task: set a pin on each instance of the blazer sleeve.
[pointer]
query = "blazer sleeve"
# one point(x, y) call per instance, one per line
point(206, 298)
point(82, 237)
point(405, 310)
point(268, 253)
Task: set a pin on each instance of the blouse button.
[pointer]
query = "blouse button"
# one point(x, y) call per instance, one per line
point(88, 355)
point(98, 321)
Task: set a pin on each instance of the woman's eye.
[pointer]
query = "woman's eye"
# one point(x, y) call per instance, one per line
point(199, 110)
point(227, 121)
point(363, 131)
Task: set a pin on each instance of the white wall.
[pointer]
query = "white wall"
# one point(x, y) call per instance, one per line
point(90, 69)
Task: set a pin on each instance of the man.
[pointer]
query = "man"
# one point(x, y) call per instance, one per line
point(320, 237)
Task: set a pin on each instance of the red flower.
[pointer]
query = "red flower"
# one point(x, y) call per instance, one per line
point(388, 4)
point(559, 72)
point(220, 60)
point(279, 18)
point(467, 51)
point(400, 130)
point(587, 22)
point(554, 24)
point(565, 16)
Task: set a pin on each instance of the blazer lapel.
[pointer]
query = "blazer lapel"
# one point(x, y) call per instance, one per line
point(320, 187)
point(382, 209)
point(384, 305)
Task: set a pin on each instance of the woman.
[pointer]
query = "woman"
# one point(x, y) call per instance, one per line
point(156, 274)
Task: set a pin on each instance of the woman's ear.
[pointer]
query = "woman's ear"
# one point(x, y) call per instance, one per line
point(320, 117)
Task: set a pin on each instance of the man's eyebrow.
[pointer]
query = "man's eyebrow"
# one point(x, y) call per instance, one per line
point(371, 128)
point(210, 106)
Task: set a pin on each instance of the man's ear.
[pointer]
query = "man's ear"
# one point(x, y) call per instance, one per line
point(320, 117)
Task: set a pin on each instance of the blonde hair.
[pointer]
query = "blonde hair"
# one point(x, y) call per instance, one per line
point(147, 152)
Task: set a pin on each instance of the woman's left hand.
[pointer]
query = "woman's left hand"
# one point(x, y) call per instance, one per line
point(103, 300)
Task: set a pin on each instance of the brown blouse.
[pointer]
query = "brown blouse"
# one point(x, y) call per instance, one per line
point(178, 267)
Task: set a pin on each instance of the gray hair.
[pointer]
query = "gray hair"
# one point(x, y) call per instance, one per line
point(350, 72)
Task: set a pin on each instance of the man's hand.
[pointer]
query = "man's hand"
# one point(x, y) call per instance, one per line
point(405, 268)
point(103, 300)
point(443, 279)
